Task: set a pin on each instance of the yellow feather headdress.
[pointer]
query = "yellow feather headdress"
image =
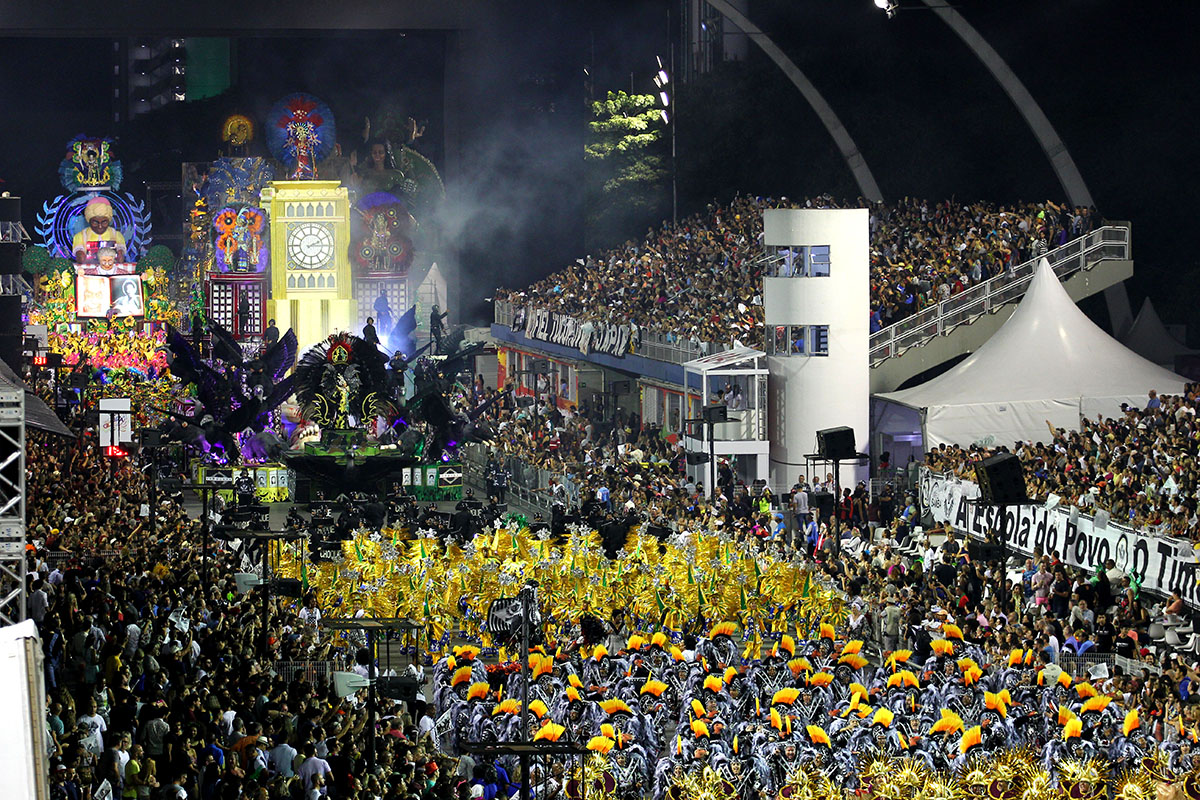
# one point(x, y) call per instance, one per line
point(949, 723)
point(550, 732)
point(970, 738)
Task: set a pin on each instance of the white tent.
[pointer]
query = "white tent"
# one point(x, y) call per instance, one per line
point(1048, 362)
point(1148, 337)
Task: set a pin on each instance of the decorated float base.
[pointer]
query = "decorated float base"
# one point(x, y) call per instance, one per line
point(272, 482)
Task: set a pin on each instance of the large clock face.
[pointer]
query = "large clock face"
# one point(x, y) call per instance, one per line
point(310, 245)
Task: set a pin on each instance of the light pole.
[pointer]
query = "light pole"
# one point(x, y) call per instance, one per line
point(670, 116)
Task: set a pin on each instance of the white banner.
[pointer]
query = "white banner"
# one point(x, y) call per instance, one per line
point(1162, 563)
point(586, 336)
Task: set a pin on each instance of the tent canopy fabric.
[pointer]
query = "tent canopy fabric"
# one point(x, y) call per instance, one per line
point(1148, 337)
point(38, 415)
point(1048, 362)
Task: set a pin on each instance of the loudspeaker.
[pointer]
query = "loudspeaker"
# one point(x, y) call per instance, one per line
point(823, 502)
point(836, 444)
point(1001, 480)
point(10, 209)
point(303, 491)
point(717, 412)
point(10, 258)
point(11, 351)
point(151, 437)
point(697, 458)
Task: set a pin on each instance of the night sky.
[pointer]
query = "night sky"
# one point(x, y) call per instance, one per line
point(1117, 79)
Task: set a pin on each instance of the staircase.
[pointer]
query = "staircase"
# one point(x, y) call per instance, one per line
point(963, 323)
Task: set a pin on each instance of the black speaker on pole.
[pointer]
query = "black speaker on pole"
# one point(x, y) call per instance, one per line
point(836, 444)
point(822, 503)
point(717, 412)
point(10, 258)
point(12, 340)
point(10, 209)
point(1001, 480)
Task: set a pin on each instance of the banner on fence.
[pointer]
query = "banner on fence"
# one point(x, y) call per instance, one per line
point(1162, 563)
point(584, 335)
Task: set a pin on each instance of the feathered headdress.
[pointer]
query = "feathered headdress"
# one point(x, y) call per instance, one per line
point(635, 643)
point(600, 744)
point(942, 647)
point(723, 629)
point(1095, 704)
point(827, 631)
point(883, 717)
point(952, 631)
point(461, 675)
point(1131, 723)
point(853, 660)
point(798, 665)
point(817, 735)
point(550, 732)
point(1085, 690)
point(1073, 729)
point(897, 658)
point(653, 687)
point(903, 678)
point(970, 738)
point(1014, 658)
point(949, 723)
point(788, 645)
point(510, 706)
point(852, 646)
point(820, 679)
point(714, 684)
point(478, 691)
point(615, 706)
point(785, 697)
point(659, 640)
point(699, 729)
point(994, 702)
point(538, 708)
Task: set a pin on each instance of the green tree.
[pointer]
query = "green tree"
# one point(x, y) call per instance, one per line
point(626, 171)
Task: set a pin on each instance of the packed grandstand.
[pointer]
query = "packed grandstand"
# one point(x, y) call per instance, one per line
point(697, 279)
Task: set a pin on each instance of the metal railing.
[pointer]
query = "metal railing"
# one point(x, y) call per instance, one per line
point(528, 486)
point(308, 671)
point(1078, 666)
point(1109, 242)
point(655, 345)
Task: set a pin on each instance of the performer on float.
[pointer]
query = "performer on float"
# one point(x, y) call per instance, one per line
point(99, 233)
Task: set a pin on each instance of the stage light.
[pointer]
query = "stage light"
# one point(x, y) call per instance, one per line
point(666, 119)
point(115, 451)
point(662, 76)
point(889, 6)
point(659, 60)
point(666, 101)
point(657, 82)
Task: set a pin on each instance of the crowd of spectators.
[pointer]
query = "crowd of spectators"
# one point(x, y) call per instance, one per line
point(699, 280)
point(156, 680)
point(696, 280)
point(1141, 466)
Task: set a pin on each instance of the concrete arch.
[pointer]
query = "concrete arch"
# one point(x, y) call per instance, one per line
point(841, 137)
point(1120, 313)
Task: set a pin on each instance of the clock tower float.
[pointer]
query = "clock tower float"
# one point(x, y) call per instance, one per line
point(310, 267)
